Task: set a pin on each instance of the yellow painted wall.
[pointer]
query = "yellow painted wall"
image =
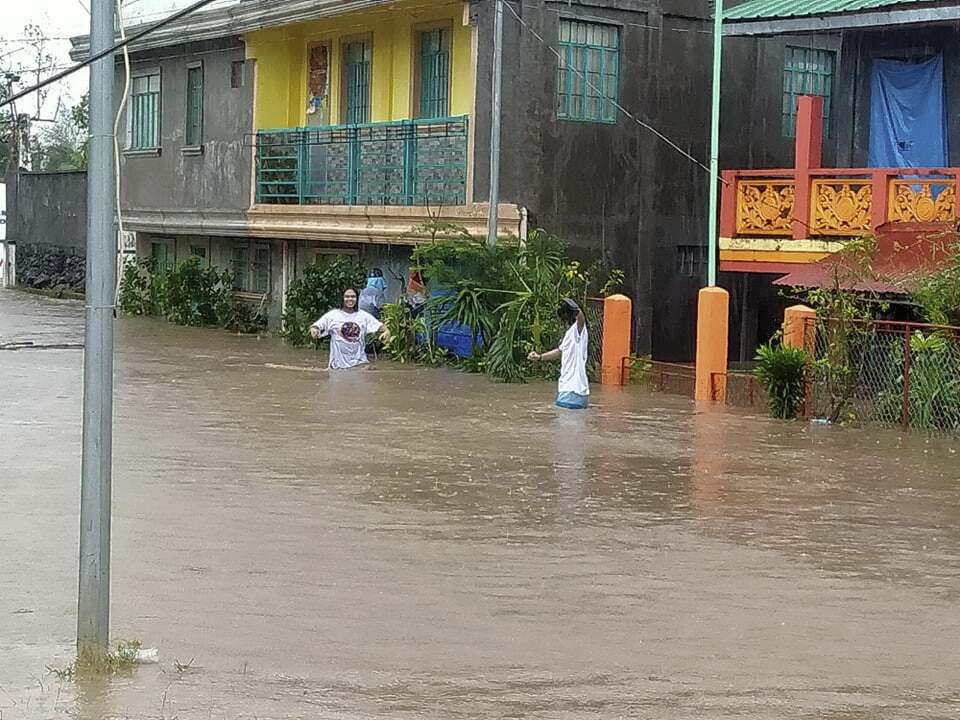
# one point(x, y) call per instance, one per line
point(281, 61)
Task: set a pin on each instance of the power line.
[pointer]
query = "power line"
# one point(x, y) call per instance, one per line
point(110, 50)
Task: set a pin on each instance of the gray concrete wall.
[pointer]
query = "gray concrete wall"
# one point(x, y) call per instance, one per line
point(217, 179)
point(46, 217)
point(611, 189)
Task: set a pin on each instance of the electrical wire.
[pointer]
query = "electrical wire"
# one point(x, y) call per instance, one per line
point(645, 125)
point(110, 50)
point(116, 148)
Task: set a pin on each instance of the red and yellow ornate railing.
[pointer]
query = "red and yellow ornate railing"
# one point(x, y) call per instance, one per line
point(834, 202)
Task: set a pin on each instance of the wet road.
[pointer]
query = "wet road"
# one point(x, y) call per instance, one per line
point(412, 543)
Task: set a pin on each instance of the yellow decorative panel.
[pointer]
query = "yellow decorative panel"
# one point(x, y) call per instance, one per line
point(764, 207)
point(840, 207)
point(914, 200)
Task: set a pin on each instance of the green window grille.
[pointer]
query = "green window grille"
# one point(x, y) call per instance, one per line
point(357, 78)
point(164, 254)
point(145, 112)
point(241, 267)
point(194, 106)
point(435, 73)
point(261, 269)
point(588, 77)
point(806, 72)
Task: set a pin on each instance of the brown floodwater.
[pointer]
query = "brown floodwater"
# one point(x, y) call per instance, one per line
point(414, 543)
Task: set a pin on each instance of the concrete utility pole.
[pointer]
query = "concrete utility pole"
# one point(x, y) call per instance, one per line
point(93, 607)
point(713, 240)
point(495, 126)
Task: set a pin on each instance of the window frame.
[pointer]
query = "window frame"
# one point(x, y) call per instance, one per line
point(417, 104)
point(790, 94)
point(365, 39)
point(244, 284)
point(131, 147)
point(197, 143)
point(238, 79)
point(568, 73)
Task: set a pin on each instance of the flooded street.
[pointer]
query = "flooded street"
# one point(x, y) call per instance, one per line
point(415, 543)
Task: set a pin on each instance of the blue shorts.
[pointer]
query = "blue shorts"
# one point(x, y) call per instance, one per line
point(572, 401)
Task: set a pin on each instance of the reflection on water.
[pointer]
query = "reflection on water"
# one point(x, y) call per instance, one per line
point(403, 542)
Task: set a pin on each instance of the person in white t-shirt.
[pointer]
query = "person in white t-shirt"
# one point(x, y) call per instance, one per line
point(348, 328)
point(573, 388)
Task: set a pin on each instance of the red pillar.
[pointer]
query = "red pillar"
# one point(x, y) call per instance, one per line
point(808, 156)
point(728, 204)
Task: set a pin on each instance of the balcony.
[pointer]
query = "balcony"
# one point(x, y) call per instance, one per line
point(404, 163)
point(773, 221)
point(834, 203)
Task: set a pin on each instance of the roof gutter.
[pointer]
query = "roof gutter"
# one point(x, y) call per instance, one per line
point(846, 21)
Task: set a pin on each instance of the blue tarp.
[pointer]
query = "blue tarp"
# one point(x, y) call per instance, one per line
point(908, 121)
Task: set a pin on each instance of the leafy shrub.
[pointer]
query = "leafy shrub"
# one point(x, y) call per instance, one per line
point(782, 372)
point(191, 293)
point(137, 293)
point(319, 290)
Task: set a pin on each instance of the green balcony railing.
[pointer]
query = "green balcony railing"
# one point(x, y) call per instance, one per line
point(409, 162)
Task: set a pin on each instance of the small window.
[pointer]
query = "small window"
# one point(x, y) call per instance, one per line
point(356, 78)
point(251, 267)
point(194, 134)
point(236, 74)
point(164, 254)
point(690, 260)
point(433, 74)
point(806, 72)
point(588, 76)
point(144, 113)
point(198, 251)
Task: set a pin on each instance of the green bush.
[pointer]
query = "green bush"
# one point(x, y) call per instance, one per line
point(934, 394)
point(137, 292)
point(192, 293)
point(782, 373)
point(319, 290)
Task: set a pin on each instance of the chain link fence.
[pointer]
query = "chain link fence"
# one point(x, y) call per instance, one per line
point(890, 373)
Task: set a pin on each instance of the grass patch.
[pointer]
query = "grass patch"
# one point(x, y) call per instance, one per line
point(112, 662)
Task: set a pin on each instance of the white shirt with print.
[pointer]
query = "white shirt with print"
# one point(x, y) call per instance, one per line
point(348, 336)
point(573, 361)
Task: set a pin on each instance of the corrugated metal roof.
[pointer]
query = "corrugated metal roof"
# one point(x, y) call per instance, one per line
point(778, 9)
point(236, 19)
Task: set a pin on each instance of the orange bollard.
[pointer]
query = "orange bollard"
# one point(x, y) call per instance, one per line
point(796, 321)
point(713, 320)
point(617, 321)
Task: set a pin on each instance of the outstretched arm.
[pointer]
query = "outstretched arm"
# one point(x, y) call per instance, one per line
point(548, 356)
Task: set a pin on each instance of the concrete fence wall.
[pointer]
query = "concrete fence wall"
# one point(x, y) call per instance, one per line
point(46, 219)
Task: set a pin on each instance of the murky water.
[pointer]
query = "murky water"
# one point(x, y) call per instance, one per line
point(411, 543)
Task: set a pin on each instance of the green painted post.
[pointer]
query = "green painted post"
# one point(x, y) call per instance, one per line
point(713, 240)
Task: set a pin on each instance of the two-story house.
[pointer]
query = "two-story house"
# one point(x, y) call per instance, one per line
point(264, 135)
point(872, 149)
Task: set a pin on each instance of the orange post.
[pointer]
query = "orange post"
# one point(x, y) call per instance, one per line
point(796, 321)
point(617, 320)
point(713, 318)
point(808, 154)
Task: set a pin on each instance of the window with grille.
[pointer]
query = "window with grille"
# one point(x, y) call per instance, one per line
point(588, 78)
point(236, 74)
point(194, 105)
point(144, 112)
point(251, 267)
point(164, 254)
point(690, 260)
point(434, 73)
point(357, 83)
point(806, 72)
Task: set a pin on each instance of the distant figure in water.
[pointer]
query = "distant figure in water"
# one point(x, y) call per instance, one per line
point(373, 296)
point(573, 388)
point(348, 328)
